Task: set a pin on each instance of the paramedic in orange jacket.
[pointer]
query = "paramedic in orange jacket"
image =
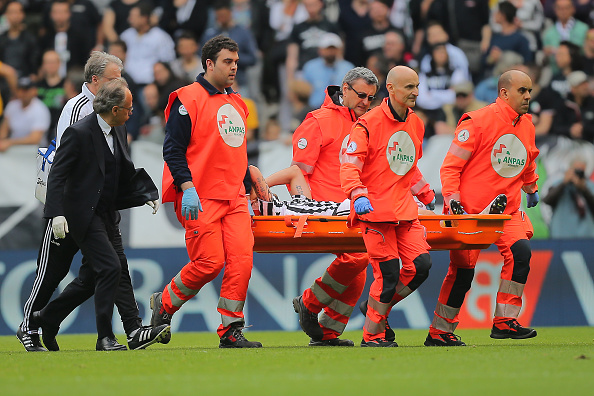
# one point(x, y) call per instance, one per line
point(318, 144)
point(378, 167)
point(205, 166)
point(493, 153)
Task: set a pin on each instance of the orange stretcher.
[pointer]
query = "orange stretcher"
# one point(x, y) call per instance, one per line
point(330, 234)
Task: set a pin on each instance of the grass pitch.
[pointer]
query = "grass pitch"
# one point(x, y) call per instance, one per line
point(558, 361)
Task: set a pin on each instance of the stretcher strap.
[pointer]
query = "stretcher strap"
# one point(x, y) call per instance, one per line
point(300, 224)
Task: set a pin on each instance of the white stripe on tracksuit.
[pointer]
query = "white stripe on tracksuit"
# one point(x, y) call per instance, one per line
point(41, 270)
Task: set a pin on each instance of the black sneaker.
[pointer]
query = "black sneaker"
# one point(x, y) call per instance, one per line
point(498, 205)
point(31, 342)
point(512, 329)
point(234, 338)
point(48, 332)
point(147, 335)
point(447, 339)
point(160, 316)
point(308, 320)
point(456, 207)
point(332, 342)
point(390, 335)
point(378, 343)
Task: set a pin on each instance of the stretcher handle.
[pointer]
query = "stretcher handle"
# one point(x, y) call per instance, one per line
point(300, 224)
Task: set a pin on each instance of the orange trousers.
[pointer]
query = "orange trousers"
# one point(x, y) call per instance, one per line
point(387, 244)
point(515, 249)
point(220, 237)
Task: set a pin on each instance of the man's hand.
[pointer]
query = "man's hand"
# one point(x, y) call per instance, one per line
point(431, 205)
point(59, 227)
point(154, 205)
point(190, 204)
point(362, 206)
point(532, 199)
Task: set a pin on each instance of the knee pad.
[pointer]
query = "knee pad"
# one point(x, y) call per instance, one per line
point(422, 266)
point(390, 273)
point(521, 253)
point(460, 287)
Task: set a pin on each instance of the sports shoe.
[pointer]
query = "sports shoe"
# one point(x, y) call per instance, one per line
point(332, 342)
point(31, 342)
point(498, 204)
point(160, 316)
point(308, 320)
point(447, 339)
point(378, 342)
point(234, 338)
point(390, 335)
point(511, 329)
point(147, 335)
point(48, 332)
point(456, 207)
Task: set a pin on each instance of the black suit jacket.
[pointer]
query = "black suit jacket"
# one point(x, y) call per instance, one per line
point(78, 174)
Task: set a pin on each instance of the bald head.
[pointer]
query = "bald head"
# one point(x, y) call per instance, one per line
point(514, 88)
point(402, 83)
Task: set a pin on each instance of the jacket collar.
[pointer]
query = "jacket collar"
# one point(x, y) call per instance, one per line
point(507, 113)
point(333, 101)
point(391, 113)
point(87, 93)
point(209, 87)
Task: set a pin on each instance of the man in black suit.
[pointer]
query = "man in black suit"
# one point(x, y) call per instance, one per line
point(91, 179)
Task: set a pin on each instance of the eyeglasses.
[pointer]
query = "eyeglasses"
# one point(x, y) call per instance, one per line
point(130, 109)
point(361, 95)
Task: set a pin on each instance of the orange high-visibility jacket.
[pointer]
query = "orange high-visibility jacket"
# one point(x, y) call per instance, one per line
point(318, 144)
point(216, 155)
point(492, 153)
point(381, 161)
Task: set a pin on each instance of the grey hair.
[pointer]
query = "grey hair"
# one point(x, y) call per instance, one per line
point(97, 63)
point(112, 93)
point(361, 73)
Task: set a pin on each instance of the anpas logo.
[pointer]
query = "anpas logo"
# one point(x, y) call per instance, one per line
point(401, 153)
point(343, 147)
point(231, 125)
point(508, 156)
point(479, 305)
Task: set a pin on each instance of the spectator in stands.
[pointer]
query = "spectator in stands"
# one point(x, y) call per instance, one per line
point(542, 103)
point(304, 39)
point(18, 46)
point(248, 50)
point(299, 93)
point(8, 84)
point(568, 58)
point(583, 9)
point(589, 52)
point(327, 69)
point(457, 58)
point(486, 90)
point(72, 42)
point(574, 117)
point(467, 23)
point(354, 20)
point(147, 45)
point(572, 201)
point(374, 37)
point(509, 39)
point(566, 28)
point(50, 89)
point(26, 118)
point(153, 124)
point(187, 65)
point(529, 19)
point(115, 18)
point(180, 16)
point(465, 102)
point(85, 17)
point(392, 54)
point(166, 82)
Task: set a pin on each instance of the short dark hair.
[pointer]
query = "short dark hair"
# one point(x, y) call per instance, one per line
point(508, 10)
point(213, 47)
point(222, 4)
point(145, 8)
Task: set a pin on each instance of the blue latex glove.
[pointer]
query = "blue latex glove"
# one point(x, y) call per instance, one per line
point(362, 206)
point(190, 204)
point(431, 205)
point(532, 199)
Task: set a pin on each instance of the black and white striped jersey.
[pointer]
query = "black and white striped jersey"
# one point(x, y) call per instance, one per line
point(301, 205)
